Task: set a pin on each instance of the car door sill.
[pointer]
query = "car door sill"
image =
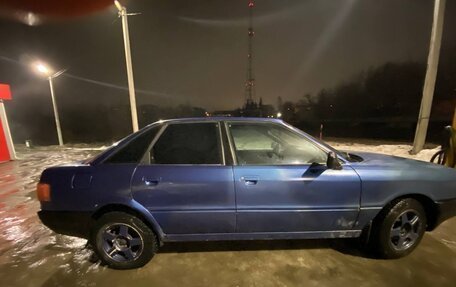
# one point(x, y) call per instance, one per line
point(262, 235)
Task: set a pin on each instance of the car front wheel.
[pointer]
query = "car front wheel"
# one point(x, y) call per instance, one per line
point(123, 241)
point(398, 230)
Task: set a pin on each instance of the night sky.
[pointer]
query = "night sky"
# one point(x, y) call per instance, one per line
point(194, 52)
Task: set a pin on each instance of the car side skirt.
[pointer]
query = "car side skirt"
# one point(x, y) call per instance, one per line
point(262, 235)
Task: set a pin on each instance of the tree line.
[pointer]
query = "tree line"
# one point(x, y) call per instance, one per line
point(386, 97)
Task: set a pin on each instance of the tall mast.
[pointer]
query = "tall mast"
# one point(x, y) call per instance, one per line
point(250, 82)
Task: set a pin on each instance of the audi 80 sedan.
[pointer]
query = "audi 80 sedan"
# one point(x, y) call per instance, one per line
point(240, 178)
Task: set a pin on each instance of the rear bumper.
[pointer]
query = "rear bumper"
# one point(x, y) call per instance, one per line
point(73, 223)
point(446, 210)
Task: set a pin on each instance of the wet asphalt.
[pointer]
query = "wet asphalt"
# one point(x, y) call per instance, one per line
point(32, 255)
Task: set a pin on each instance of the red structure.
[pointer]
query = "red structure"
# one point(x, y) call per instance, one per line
point(6, 143)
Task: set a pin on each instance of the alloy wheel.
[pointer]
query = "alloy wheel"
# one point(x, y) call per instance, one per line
point(122, 242)
point(406, 230)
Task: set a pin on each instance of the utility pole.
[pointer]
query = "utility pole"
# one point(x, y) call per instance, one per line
point(131, 84)
point(56, 112)
point(431, 74)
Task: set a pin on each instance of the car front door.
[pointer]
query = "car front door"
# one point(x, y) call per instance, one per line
point(184, 182)
point(283, 185)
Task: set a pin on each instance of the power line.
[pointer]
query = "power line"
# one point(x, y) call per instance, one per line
point(96, 82)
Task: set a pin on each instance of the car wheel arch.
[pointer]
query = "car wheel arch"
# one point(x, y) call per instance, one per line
point(430, 208)
point(146, 218)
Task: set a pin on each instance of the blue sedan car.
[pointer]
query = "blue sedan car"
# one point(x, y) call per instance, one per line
point(240, 178)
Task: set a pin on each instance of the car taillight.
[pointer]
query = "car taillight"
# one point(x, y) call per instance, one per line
point(43, 192)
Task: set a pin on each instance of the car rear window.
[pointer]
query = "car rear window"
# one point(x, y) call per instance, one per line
point(135, 149)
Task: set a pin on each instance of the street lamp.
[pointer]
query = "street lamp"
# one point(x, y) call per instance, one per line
point(44, 70)
point(131, 84)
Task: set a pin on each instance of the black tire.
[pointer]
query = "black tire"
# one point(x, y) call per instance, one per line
point(398, 230)
point(123, 241)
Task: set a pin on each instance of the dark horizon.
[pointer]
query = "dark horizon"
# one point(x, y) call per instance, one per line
point(195, 54)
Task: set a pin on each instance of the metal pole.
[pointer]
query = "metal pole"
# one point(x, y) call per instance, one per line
point(431, 74)
point(131, 84)
point(56, 113)
point(454, 120)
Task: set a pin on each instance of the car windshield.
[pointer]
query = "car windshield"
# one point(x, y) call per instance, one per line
point(343, 154)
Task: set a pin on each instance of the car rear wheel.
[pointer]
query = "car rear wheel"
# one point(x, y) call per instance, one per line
point(398, 230)
point(123, 241)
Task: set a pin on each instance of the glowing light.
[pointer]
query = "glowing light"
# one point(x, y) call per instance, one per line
point(42, 68)
point(279, 115)
point(30, 19)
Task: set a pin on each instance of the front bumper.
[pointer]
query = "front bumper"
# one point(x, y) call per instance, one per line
point(445, 210)
point(73, 223)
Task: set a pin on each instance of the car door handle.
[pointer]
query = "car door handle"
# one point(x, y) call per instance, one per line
point(250, 180)
point(150, 181)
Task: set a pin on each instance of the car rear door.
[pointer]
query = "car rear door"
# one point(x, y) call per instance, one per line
point(289, 192)
point(184, 182)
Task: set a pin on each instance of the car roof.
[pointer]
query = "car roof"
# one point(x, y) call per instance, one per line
point(198, 119)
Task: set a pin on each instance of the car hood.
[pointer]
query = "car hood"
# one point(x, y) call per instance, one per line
point(389, 162)
point(370, 158)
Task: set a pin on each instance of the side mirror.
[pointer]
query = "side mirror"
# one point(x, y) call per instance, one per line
point(333, 162)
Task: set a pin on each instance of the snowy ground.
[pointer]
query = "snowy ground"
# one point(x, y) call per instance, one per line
point(32, 255)
point(400, 149)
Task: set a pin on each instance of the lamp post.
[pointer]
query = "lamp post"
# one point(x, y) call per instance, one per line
point(131, 84)
point(47, 72)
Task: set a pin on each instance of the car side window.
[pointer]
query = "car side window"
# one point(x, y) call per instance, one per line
point(188, 143)
point(272, 144)
point(135, 149)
